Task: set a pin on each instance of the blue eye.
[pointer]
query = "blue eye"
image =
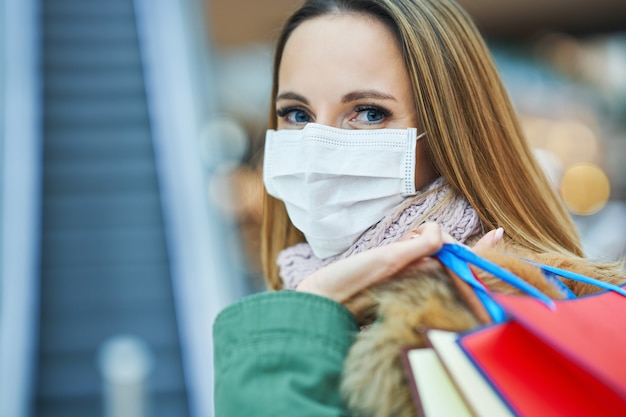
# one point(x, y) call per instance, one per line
point(293, 115)
point(374, 115)
point(300, 117)
point(370, 114)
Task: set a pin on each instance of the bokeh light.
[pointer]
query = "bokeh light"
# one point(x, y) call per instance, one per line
point(585, 189)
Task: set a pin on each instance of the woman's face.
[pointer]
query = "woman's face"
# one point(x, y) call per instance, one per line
point(347, 71)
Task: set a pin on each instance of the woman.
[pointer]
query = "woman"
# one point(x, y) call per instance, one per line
point(386, 114)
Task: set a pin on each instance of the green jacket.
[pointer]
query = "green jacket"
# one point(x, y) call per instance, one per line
point(281, 354)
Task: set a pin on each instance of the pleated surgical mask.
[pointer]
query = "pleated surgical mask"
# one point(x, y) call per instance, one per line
point(337, 183)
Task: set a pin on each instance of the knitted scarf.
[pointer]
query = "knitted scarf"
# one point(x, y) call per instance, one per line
point(437, 203)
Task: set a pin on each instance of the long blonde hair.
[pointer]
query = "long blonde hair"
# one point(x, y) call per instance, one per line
point(474, 137)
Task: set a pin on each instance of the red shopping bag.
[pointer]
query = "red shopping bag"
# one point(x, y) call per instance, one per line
point(548, 357)
point(564, 362)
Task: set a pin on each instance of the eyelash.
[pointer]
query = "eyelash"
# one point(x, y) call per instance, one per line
point(282, 112)
point(365, 108)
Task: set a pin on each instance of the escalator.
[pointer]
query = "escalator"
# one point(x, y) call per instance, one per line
point(105, 269)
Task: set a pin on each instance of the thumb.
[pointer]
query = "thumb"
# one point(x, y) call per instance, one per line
point(489, 240)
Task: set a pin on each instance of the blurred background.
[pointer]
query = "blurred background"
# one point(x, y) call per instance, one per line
point(131, 134)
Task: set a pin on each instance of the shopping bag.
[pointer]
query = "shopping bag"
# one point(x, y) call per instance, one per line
point(441, 375)
point(547, 357)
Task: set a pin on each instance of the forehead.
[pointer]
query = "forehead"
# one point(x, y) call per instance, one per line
point(344, 50)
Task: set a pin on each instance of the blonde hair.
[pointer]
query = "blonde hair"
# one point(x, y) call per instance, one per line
point(474, 138)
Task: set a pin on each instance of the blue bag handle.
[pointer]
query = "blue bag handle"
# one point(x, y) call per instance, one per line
point(556, 282)
point(457, 258)
point(577, 277)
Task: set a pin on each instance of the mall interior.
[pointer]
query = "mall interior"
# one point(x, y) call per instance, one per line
point(131, 140)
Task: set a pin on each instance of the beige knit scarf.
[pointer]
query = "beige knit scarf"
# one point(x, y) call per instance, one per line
point(437, 203)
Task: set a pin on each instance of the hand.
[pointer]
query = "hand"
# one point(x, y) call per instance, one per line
point(342, 280)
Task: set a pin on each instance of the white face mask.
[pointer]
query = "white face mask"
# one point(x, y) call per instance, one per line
point(337, 183)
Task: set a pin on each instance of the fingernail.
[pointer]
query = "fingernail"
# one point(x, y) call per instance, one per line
point(498, 235)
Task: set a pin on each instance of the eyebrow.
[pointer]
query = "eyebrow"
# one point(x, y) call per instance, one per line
point(361, 94)
point(353, 96)
point(292, 96)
